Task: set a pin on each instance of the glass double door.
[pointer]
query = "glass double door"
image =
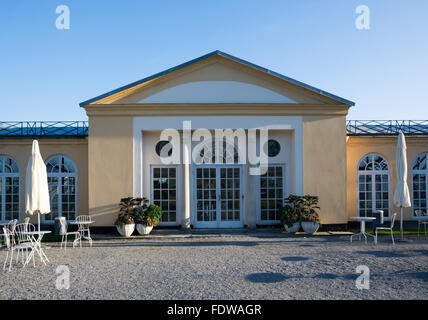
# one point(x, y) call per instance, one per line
point(217, 198)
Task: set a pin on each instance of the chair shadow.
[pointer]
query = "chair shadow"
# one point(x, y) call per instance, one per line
point(268, 277)
point(329, 276)
point(178, 244)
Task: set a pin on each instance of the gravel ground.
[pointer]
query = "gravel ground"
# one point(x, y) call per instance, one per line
point(225, 267)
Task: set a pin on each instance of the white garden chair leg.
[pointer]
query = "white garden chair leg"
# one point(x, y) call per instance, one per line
point(392, 237)
point(5, 261)
point(11, 258)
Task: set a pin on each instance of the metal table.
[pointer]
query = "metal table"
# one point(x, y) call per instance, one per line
point(362, 232)
point(83, 226)
point(37, 245)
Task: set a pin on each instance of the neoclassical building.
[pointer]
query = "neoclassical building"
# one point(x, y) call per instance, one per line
point(129, 147)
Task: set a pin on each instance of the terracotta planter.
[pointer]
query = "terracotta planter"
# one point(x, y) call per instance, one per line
point(125, 230)
point(143, 230)
point(310, 227)
point(294, 228)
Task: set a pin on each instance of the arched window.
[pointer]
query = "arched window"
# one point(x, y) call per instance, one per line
point(419, 182)
point(373, 185)
point(62, 179)
point(216, 151)
point(10, 188)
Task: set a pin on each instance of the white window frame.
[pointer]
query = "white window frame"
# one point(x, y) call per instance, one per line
point(373, 173)
point(425, 172)
point(177, 200)
point(59, 176)
point(3, 177)
point(259, 198)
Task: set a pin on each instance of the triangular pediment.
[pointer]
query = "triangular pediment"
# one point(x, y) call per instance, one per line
point(217, 78)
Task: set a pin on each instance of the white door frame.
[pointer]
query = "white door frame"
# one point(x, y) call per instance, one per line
point(218, 223)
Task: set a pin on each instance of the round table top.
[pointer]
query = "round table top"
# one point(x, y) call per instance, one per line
point(36, 232)
point(81, 222)
point(364, 218)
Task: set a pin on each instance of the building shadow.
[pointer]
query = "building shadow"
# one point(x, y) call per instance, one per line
point(423, 275)
point(294, 258)
point(384, 254)
point(421, 251)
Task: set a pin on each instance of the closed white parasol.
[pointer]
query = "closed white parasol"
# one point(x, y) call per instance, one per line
point(36, 184)
point(401, 194)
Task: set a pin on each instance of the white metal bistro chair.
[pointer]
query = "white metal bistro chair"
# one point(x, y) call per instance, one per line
point(83, 223)
point(24, 240)
point(64, 233)
point(26, 220)
point(11, 226)
point(422, 220)
point(387, 228)
point(11, 247)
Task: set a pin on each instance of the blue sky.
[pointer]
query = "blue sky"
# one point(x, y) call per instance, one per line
point(46, 72)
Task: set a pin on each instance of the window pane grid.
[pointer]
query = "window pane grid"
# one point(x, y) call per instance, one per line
point(419, 183)
point(62, 183)
point(206, 194)
point(373, 185)
point(164, 192)
point(230, 193)
point(11, 199)
point(271, 193)
point(9, 189)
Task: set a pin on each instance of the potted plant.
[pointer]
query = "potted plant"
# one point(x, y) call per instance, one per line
point(148, 218)
point(125, 224)
point(310, 217)
point(291, 214)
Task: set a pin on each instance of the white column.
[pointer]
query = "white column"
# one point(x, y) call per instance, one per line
point(186, 218)
point(187, 145)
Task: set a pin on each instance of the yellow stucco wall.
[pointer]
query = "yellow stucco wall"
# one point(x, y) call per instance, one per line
point(357, 147)
point(110, 163)
point(324, 165)
point(75, 149)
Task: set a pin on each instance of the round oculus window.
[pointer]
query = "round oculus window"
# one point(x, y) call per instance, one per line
point(273, 147)
point(164, 149)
